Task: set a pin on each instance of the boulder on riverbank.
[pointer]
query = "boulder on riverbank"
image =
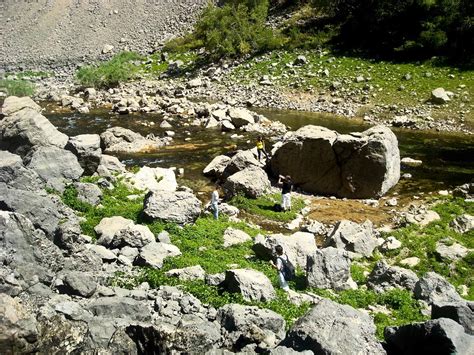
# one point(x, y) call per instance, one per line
point(356, 165)
point(122, 140)
point(253, 182)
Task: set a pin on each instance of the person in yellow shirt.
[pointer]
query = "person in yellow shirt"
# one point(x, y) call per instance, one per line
point(261, 148)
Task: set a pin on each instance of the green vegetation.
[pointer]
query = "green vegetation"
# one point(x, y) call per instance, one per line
point(110, 73)
point(421, 242)
point(17, 87)
point(264, 206)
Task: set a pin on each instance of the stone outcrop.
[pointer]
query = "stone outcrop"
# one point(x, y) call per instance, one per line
point(252, 284)
point(122, 140)
point(434, 288)
point(216, 167)
point(384, 278)
point(357, 165)
point(252, 182)
point(178, 207)
point(461, 311)
point(14, 174)
point(14, 104)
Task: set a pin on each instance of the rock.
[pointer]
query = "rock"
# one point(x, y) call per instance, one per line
point(194, 83)
point(107, 48)
point(163, 237)
point(462, 312)
point(464, 191)
point(384, 278)
point(54, 165)
point(329, 268)
point(451, 252)
point(80, 284)
point(104, 253)
point(122, 140)
point(297, 246)
point(439, 336)
point(226, 126)
point(215, 279)
point(14, 174)
point(88, 193)
point(439, 96)
point(357, 238)
point(73, 311)
point(227, 209)
point(434, 288)
point(18, 327)
point(165, 124)
point(110, 165)
point(410, 262)
point(133, 235)
point(178, 207)
point(234, 236)
point(14, 104)
point(300, 60)
point(240, 161)
point(120, 307)
point(90, 94)
point(86, 147)
point(359, 165)
point(253, 285)
point(391, 243)
point(253, 182)
point(216, 167)
point(332, 328)
point(411, 162)
point(109, 227)
point(251, 325)
point(240, 117)
point(26, 128)
point(154, 253)
point(190, 273)
point(152, 179)
point(315, 227)
point(461, 224)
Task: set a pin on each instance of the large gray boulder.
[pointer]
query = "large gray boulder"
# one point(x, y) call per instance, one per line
point(54, 165)
point(385, 277)
point(434, 288)
point(26, 128)
point(240, 161)
point(86, 147)
point(14, 104)
point(153, 254)
point(14, 174)
point(119, 307)
point(240, 117)
point(250, 325)
point(297, 246)
point(80, 284)
point(151, 179)
point(252, 284)
point(217, 166)
point(329, 268)
point(109, 227)
point(122, 140)
point(462, 312)
point(332, 328)
point(357, 238)
point(252, 182)
point(88, 193)
point(357, 165)
point(172, 206)
point(110, 165)
point(118, 232)
point(439, 336)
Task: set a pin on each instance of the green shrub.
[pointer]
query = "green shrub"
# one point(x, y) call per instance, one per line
point(110, 73)
point(17, 87)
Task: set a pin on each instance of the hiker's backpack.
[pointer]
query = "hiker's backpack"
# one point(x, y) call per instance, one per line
point(288, 270)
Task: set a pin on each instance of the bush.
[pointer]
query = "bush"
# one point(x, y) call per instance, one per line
point(17, 87)
point(111, 73)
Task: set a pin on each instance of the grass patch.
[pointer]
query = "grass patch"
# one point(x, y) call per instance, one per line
point(264, 206)
point(110, 73)
point(17, 87)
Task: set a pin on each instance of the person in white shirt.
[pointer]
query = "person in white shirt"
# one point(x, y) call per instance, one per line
point(215, 202)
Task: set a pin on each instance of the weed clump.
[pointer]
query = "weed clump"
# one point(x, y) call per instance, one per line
point(17, 87)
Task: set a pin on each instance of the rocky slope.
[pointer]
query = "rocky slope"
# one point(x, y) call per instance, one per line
point(59, 32)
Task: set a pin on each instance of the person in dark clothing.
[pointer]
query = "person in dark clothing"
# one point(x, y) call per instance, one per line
point(286, 187)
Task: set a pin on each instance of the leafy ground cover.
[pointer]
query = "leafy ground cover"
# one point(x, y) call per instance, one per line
point(18, 87)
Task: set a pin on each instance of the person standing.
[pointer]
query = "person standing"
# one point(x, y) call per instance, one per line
point(281, 261)
point(215, 202)
point(261, 147)
point(286, 187)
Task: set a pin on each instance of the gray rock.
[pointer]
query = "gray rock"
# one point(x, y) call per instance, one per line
point(439, 96)
point(360, 165)
point(331, 328)
point(153, 254)
point(234, 236)
point(391, 243)
point(104, 253)
point(226, 126)
point(251, 325)
point(188, 273)
point(329, 268)
point(462, 312)
point(133, 235)
point(464, 191)
point(73, 311)
point(109, 227)
point(14, 174)
point(120, 307)
point(297, 246)
point(178, 207)
point(463, 223)
point(253, 182)
point(88, 193)
point(283, 350)
point(122, 140)
point(216, 167)
point(384, 277)
point(451, 252)
point(240, 117)
point(240, 161)
point(110, 165)
point(152, 179)
point(27, 128)
point(253, 285)
point(80, 284)
point(14, 104)
point(54, 165)
point(434, 288)
point(439, 336)
point(163, 237)
point(300, 60)
point(215, 279)
point(358, 238)
point(86, 147)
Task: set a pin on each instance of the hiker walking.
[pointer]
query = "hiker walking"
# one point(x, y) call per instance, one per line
point(286, 270)
point(215, 202)
point(286, 187)
point(261, 147)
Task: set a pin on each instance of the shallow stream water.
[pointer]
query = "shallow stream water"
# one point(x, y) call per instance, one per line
point(448, 158)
